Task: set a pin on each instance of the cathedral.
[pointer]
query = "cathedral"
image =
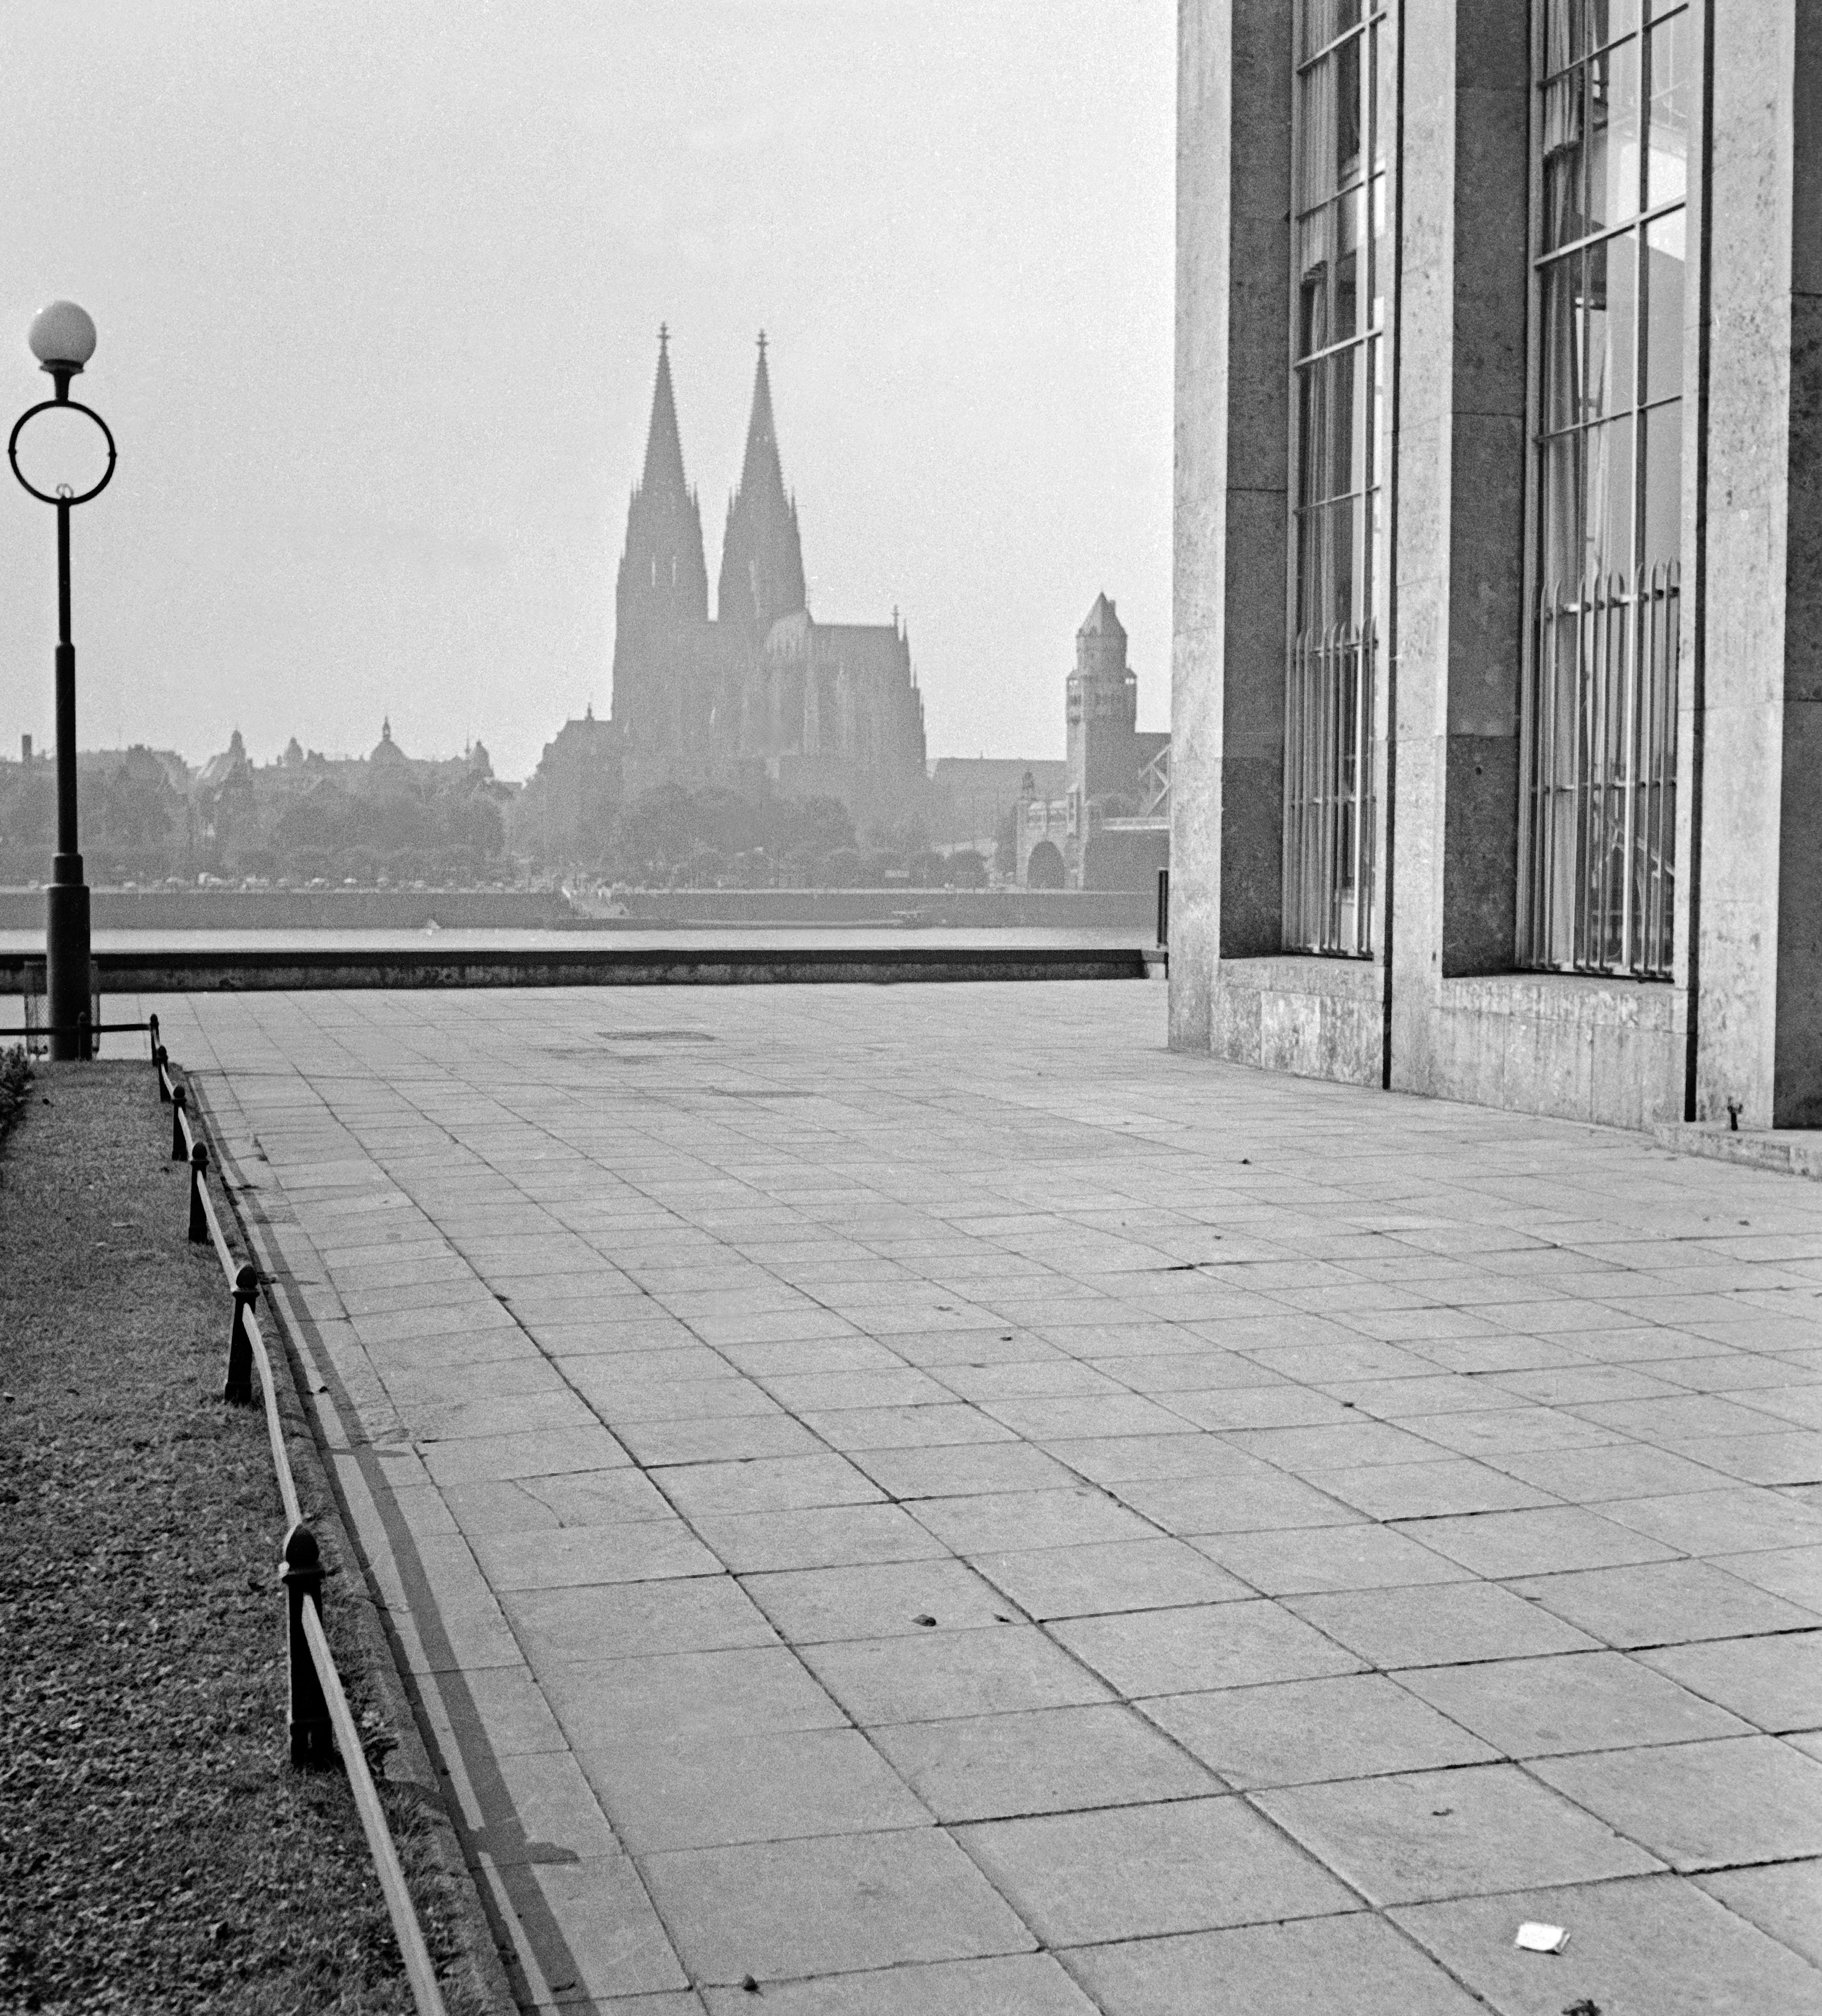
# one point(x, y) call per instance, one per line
point(760, 696)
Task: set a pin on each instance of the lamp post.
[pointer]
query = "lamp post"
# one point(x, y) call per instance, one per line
point(62, 338)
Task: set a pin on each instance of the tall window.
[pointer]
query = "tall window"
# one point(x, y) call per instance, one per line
point(1614, 127)
point(1337, 369)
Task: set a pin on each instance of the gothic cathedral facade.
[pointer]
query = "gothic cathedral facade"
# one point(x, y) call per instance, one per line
point(760, 696)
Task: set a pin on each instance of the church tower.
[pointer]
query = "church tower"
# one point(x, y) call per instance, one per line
point(762, 560)
point(662, 596)
point(1103, 710)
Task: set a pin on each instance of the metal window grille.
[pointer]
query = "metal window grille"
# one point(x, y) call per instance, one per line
point(1602, 804)
point(1598, 859)
point(1329, 801)
point(1338, 364)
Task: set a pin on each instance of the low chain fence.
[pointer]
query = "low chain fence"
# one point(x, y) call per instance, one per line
point(319, 1718)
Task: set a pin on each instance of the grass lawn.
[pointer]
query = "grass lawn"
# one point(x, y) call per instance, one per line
point(158, 1850)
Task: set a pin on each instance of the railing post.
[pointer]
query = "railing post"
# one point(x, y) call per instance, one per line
point(237, 1388)
point(198, 1221)
point(158, 1064)
point(1163, 908)
point(179, 1148)
point(307, 1711)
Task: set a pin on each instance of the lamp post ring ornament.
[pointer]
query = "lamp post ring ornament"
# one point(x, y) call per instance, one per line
point(62, 495)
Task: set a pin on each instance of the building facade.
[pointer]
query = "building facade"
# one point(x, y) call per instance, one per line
point(1497, 681)
point(1109, 828)
point(761, 694)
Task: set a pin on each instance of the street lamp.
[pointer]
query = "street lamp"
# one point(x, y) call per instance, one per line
point(62, 338)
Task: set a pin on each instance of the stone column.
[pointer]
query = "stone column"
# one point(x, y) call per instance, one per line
point(1757, 896)
point(1227, 675)
point(1459, 468)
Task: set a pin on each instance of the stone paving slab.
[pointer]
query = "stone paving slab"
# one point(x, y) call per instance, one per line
point(919, 1500)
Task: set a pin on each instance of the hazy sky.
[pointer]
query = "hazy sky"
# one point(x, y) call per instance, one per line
point(378, 288)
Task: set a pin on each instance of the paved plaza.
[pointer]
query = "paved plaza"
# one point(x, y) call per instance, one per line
point(918, 1502)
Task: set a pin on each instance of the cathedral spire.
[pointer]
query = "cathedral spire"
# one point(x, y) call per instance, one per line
point(762, 562)
point(662, 593)
point(663, 455)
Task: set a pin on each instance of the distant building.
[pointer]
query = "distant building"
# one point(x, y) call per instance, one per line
point(385, 771)
point(89, 761)
point(761, 695)
point(1110, 827)
point(971, 797)
point(564, 813)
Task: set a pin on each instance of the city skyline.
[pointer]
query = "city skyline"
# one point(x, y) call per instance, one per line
point(377, 314)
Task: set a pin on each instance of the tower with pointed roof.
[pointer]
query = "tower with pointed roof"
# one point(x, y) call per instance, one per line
point(762, 557)
point(661, 595)
point(761, 698)
point(1103, 708)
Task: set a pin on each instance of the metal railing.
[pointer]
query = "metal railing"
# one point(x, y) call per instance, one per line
point(1599, 893)
point(39, 1031)
point(1329, 809)
point(318, 1703)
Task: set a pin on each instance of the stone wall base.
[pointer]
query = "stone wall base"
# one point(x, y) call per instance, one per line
point(1608, 1051)
point(1579, 1048)
point(1312, 1017)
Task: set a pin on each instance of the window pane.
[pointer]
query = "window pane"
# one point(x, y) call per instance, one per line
point(1316, 179)
point(1663, 486)
point(1557, 333)
point(1610, 19)
point(1565, 163)
point(1326, 598)
point(1574, 28)
point(1338, 476)
point(1561, 562)
point(1350, 238)
point(1345, 63)
point(1354, 458)
point(1672, 104)
point(1381, 263)
point(1610, 497)
point(1613, 134)
point(1324, 20)
point(1612, 290)
point(1330, 136)
point(1562, 34)
point(1665, 269)
point(1311, 432)
point(1315, 254)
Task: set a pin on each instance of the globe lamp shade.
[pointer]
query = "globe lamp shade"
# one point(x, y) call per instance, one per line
point(62, 334)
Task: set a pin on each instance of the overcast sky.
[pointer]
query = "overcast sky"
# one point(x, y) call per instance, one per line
point(378, 288)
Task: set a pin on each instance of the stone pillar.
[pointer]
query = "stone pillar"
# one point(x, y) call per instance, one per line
point(1227, 673)
point(1459, 471)
point(1758, 894)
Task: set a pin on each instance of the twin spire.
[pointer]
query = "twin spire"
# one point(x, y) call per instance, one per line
point(664, 459)
point(762, 568)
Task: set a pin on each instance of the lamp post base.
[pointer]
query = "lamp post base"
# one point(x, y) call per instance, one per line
point(67, 958)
